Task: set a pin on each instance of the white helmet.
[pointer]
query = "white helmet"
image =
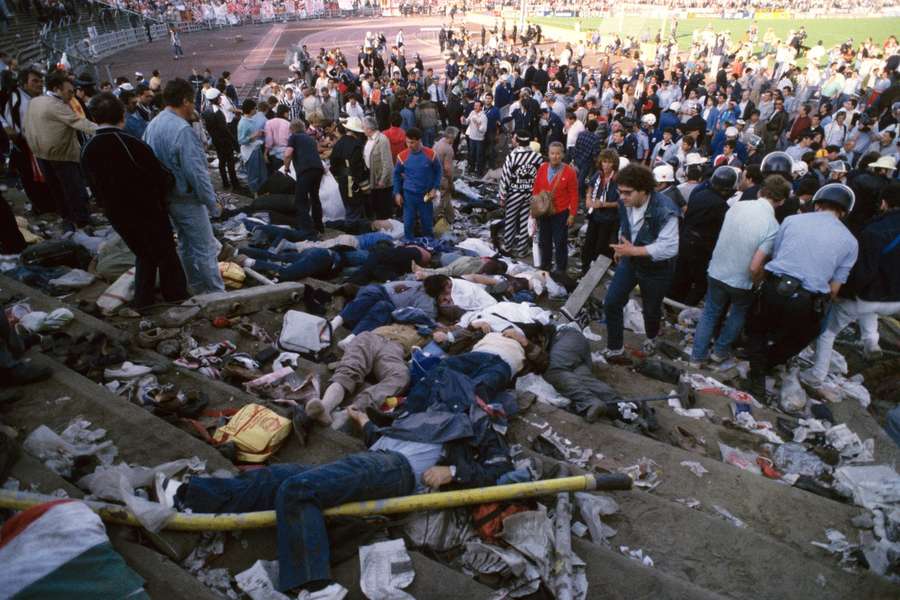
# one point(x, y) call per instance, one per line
point(664, 174)
point(649, 119)
point(731, 132)
point(623, 162)
point(694, 158)
point(799, 169)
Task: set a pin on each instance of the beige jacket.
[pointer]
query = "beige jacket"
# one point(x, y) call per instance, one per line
point(381, 164)
point(51, 128)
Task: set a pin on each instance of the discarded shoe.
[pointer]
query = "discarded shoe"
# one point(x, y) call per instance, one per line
point(152, 337)
point(127, 370)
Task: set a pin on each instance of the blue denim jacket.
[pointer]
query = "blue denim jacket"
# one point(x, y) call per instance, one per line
point(179, 149)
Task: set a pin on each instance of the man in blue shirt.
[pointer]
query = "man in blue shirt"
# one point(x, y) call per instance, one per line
point(812, 257)
point(192, 200)
point(308, 169)
point(417, 176)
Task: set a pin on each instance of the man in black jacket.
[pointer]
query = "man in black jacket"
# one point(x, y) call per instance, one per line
point(222, 139)
point(702, 224)
point(873, 288)
point(131, 186)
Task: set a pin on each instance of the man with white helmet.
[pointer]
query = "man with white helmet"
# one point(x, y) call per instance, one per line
point(699, 232)
point(694, 164)
point(812, 257)
point(874, 285)
point(642, 136)
point(665, 184)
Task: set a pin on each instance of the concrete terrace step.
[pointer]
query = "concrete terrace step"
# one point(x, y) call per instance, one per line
point(783, 518)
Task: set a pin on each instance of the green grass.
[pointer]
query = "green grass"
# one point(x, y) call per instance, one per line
point(830, 31)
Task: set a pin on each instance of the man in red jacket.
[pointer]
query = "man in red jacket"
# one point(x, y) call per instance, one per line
point(562, 179)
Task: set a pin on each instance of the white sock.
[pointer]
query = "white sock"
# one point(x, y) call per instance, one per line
point(337, 322)
point(334, 395)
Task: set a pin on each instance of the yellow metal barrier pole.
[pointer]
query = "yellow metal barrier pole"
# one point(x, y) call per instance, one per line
point(115, 513)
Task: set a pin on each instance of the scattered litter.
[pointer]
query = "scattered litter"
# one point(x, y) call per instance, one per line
point(689, 502)
point(218, 580)
point(742, 459)
point(592, 507)
point(761, 428)
point(710, 385)
point(838, 544)
point(562, 448)
point(385, 569)
point(729, 517)
point(791, 397)
point(75, 279)
point(851, 448)
point(546, 393)
point(695, 467)
point(809, 428)
point(258, 581)
point(579, 529)
point(590, 335)
point(794, 459)
point(38, 321)
point(694, 413)
point(637, 554)
point(644, 474)
point(59, 451)
point(872, 487)
point(820, 580)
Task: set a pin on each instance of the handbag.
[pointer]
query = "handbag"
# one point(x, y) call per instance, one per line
point(542, 202)
point(304, 333)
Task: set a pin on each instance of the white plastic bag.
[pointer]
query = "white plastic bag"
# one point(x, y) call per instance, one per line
point(73, 280)
point(118, 293)
point(791, 398)
point(302, 332)
point(330, 197)
point(634, 317)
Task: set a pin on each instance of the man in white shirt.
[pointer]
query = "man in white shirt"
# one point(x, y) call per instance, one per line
point(573, 128)
point(476, 129)
point(460, 293)
point(647, 248)
point(745, 242)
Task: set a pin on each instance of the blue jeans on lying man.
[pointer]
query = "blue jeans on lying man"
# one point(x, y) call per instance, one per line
point(370, 309)
point(718, 297)
point(298, 494)
point(275, 233)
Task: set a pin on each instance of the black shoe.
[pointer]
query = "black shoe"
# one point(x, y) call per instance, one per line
point(302, 425)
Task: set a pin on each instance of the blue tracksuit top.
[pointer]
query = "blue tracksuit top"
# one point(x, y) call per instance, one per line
point(417, 172)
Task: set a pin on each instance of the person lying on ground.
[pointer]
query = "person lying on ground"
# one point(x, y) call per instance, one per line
point(386, 263)
point(459, 292)
point(374, 305)
point(415, 453)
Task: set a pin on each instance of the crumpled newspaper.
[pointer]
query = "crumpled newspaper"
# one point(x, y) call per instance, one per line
point(59, 451)
point(546, 393)
point(644, 474)
point(848, 444)
point(592, 507)
point(385, 569)
point(695, 467)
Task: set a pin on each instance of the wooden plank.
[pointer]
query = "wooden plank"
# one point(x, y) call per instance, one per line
point(587, 285)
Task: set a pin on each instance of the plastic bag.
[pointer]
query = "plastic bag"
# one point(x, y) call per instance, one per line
point(40, 321)
point(256, 431)
point(793, 459)
point(330, 196)
point(742, 459)
point(634, 317)
point(540, 387)
point(114, 258)
point(791, 397)
point(118, 293)
point(73, 280)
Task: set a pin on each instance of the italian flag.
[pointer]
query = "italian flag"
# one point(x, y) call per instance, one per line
point(60, 550)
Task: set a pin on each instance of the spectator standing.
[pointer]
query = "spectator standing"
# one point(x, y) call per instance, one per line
point(516, 183)
point(192, 200)
point(222, 139)
point(51, 128)
point(378, 158)
point(113, 161)
point(561, 180)
point(417, 176)
point(303, 152)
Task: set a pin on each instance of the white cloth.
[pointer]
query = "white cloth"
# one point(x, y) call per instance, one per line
point(508, 349)
point(470, 296)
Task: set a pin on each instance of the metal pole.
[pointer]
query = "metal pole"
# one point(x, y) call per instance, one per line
point(116, 513)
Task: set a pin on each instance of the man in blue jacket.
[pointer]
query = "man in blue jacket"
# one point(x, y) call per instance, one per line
point(417, 177)
point(646, 253)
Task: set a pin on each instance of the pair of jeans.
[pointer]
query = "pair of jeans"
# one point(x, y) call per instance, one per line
point(718, 297)
point(67, 189)
point(312, 262)
point(367, 240)
point(298, 494)
point(197, 247)
point(386, 264)
point(489, 375)
point(414, 206)
point(275, 233)
point(654, 280)
point(370, 309)
point(307, 204)
point(552, 234)
point(476, 155)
